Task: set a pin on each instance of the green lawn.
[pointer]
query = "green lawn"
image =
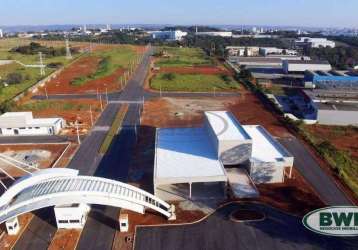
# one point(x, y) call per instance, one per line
point(181, 57)
point(53, 105)
point(30, 77)
point(194, 83)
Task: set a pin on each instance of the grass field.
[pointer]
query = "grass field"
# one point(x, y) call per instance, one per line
point(338, 146)
point(30, 75)
point(53, 105)
point(111, 60)
point(194, 83)
point(181, 57)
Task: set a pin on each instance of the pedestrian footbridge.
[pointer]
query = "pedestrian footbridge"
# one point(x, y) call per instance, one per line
point(59, 187)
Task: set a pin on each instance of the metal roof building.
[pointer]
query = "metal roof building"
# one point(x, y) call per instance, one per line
point(198, 155)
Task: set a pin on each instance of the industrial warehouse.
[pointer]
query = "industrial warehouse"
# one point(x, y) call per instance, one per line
point(190, 162)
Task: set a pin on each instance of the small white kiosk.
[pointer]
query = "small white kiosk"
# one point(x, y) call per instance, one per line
point(13, 226)
point(123, 223)
point(72, 216)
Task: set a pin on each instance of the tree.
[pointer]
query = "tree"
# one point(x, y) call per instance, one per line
point(14, 78)
point(169, 76)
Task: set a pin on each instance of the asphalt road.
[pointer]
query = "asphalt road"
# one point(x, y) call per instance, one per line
point(113, 165)
point(277, 231)
point(314, 174)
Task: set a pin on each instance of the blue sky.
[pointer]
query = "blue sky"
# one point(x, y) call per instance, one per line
point(328, 13)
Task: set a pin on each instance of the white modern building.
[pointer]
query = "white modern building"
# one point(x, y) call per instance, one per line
point(265, 51)
point(23, 124)
point(170, 35)
point(314, 42)
point(300, 66)
point(190, 162)
point(1, 34)
point(242, 51)
point(215, 33)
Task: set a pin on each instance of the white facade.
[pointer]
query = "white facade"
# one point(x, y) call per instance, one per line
point(215, 33)
point(276, 51)
point(315, 42)
point(1, 34)
point(242, 51)
point(302, 66)
point(269, 158)
point(171, 35)
point(198, 155)
point(72, 216)
point(23, 124)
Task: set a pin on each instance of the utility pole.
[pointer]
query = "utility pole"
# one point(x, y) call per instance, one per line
point(42, 66)
point(100, 100)
point(46, 93)
point(107, 96)
point(214, 92)
point(91, 115)
point(78, 134)
point(68, 50)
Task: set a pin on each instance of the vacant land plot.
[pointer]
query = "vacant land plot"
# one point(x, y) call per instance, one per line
point(193, 82)
point(204, 70)
point(70, 110)
point(40, 155)
point(25, 76)
point(181, 57)
point(101, 70)
point(338, 145)
point(344, 138)
point(29, 76)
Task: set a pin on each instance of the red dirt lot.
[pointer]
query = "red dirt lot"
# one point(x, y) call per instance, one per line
point(294, 196)
point(344, 138)
point(55, 151)
point(205, 70)
point(82, 68)
point(251, 111)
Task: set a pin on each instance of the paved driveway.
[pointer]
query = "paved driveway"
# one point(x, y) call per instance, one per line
point(218, 232)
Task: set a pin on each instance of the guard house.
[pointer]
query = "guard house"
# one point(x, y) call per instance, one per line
point(189, 162)
point(23, 124)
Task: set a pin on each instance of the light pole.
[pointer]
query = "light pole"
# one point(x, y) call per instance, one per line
point(91, 115)
point(78, 134)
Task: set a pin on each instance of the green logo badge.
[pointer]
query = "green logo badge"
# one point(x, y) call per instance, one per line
point(333, 221)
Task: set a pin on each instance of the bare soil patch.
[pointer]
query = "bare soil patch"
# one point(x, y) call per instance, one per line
point(44, 155)
point(344, 138)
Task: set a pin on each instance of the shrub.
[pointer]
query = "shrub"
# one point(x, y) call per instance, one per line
point(168, 76)
point(14, 78)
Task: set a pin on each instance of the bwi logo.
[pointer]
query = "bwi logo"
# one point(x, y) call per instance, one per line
point(333, 221)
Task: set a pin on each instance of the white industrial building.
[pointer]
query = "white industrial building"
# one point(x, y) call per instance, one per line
point(314, 42)
point(277, 51)
point(23, 124)
point(1, 34)
point(170, 35)
point(242, 51)
point(190, 162)
point(300, 66)
point(215, 33)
